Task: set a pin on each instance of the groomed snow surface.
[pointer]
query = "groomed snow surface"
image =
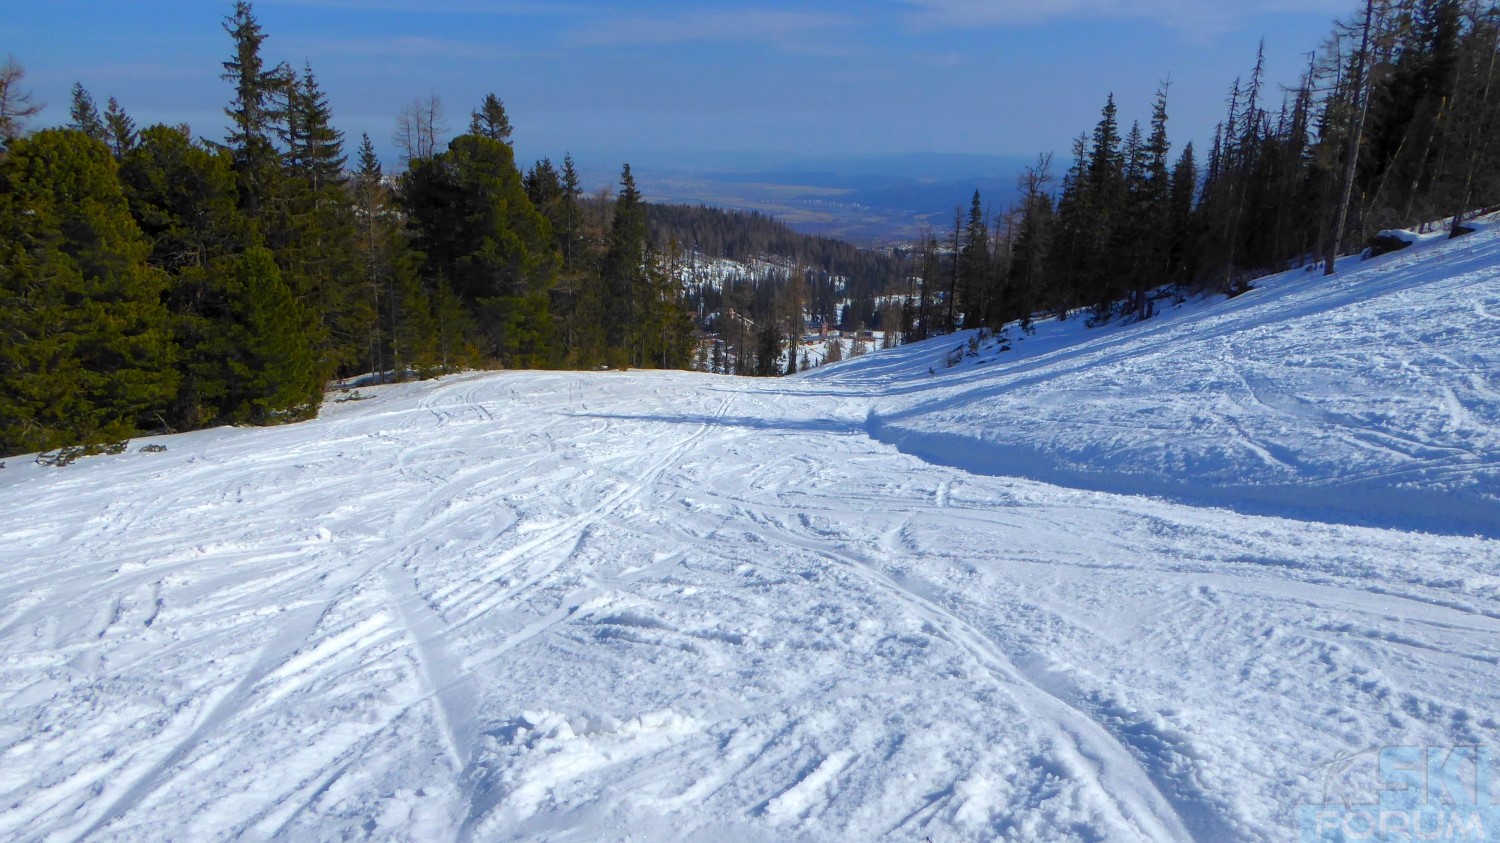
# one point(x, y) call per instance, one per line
point(872, 603)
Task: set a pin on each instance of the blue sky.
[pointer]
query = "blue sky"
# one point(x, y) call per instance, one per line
point(651, 79)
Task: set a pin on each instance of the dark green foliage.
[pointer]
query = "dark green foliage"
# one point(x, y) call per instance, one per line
point(87, 353)
point(645, 322)
point(490, 120)
point(185, 200)
point(183, 196)
point(1032, 242)
point(273, 373)
point(313, 229)
point(1181, 224)
point(1393, 125)
point(377, 251)
point(624, 269)
point(471, 219)
point(253, 113)
point(975, 272)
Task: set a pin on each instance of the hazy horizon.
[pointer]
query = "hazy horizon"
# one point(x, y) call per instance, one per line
point(740, 85)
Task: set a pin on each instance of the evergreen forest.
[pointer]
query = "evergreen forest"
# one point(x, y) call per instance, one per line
point(156, 280)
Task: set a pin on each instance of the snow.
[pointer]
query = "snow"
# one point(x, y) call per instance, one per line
point(1371, 398)
point(869, 602)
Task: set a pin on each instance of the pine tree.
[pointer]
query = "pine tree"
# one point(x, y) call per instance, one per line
point(1034, 238)
point(1102, 201)
point(1181, 223)
point(973, 266)
point(624, 268)
point(273, 375)
point(88, 352)
point(1468, 180)
point(119, 129)
point(1355, 134)
point(376, 250)
point(1153, 202)
point(927, 295)
point(768, 350)
point(578, 293)
point(314, 229)
point(185, 199)
point(479, 234)
point(253, 114)
point(490, 120)
point(85, 115)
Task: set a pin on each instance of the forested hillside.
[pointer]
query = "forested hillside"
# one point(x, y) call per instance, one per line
point(154, 280)
point(1391, 126)
point(777, 278)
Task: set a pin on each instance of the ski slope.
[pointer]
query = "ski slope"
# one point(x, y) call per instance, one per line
point(1369, 398)
point(869, 603)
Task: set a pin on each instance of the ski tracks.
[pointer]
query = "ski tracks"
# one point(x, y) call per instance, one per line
point(1139, 802)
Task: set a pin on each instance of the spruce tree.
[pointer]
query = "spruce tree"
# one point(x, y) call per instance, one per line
point(184, 198)
point(490, 120)
point(973, 267)
point(88, 355)
point(119, 129)
point(1181, 225)
point(273, 374)
point(479, 234)
point(1034, 238)
point(1064, 265)
point(1153, 202)
point(624, 269)
point(253, 114)
point(1103, 192)
point(768, 349)
point(314, 229)
point(85, 115)
point(376, 252)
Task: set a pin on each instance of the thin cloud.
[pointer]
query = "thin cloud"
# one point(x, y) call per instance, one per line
point(793, 31)
point(1191, 15)
point(538, 8)
point(406, 47)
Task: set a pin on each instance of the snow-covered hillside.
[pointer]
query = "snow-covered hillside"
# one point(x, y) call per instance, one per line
point(1371, 398)
point(869, 603)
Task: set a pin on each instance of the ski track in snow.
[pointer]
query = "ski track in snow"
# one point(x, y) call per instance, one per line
point(600, 606)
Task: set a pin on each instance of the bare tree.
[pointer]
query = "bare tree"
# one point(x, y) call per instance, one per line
point(16, 106)
point(418, 127)
point(1361, 108)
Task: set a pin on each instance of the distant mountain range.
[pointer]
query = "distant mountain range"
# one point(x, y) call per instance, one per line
point(867, 200)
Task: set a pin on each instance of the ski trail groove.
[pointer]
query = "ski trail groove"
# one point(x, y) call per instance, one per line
point(567, 533)
point(1119, 775)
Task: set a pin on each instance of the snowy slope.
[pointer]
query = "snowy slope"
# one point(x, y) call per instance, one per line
point(657, 606)
point(1373, 398)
